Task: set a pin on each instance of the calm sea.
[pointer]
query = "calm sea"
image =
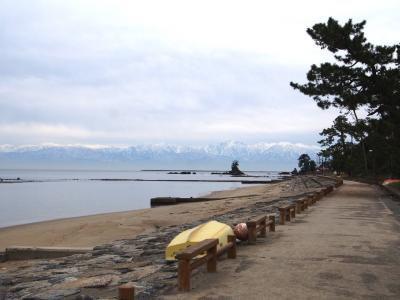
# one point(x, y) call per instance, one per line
point(61, 194)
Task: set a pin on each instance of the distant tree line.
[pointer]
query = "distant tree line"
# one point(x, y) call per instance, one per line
point(363, 83)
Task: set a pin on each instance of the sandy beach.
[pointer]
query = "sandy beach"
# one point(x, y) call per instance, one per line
point(89, 231)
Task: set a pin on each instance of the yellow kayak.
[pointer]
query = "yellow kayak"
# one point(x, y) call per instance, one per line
point(209, 230)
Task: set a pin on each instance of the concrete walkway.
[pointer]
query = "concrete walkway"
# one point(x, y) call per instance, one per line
point(347, 246)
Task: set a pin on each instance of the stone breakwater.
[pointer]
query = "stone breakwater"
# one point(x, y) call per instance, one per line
point(139, 260)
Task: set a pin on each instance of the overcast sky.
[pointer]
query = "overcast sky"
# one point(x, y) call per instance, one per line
point(187, 72)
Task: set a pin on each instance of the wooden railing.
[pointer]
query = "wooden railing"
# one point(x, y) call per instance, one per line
point(259, 225)
point(287, 213)
point(338, 183)
point(187, 260)
point(301, 205)
point(312, 198)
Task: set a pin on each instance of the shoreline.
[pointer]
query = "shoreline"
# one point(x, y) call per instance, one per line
point(207, 195)
point(92, 230)
point(10, 181)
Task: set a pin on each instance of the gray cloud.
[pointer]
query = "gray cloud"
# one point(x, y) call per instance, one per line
point(74, 73)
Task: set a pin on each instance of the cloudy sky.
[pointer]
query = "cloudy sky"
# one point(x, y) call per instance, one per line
point(187, 72)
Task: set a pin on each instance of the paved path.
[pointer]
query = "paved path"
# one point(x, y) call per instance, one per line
point(347, 246)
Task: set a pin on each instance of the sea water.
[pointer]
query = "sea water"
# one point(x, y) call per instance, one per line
point(56, 194)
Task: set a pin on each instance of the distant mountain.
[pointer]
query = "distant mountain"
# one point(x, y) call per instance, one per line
point(258, 156)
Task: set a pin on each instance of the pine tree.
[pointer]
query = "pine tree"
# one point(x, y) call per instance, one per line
point(363, 77)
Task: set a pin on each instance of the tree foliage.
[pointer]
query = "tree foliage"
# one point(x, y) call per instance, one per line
point(363, 78)
point(306, 164)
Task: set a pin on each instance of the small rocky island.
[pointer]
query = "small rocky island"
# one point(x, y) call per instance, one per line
point(235, 171)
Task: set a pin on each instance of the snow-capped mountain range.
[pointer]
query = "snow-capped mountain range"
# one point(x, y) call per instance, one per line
point(258, 156)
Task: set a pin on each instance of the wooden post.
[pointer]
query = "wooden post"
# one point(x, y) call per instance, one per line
point(126, 292)
point(272, 223)
point(212, 262)
point(292, 211)
point(263, 229)
point(282, 216)
point(288, 215)
point(314, 198)
point(184, 274)
point(232, 250)
point(252, 229)
point(298, 206)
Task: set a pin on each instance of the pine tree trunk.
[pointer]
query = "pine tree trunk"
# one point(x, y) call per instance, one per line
point(362, 147)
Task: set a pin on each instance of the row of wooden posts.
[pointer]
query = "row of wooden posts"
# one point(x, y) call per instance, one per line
point(187, 260)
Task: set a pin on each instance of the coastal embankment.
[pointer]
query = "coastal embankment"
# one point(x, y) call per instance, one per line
point(130, 246)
